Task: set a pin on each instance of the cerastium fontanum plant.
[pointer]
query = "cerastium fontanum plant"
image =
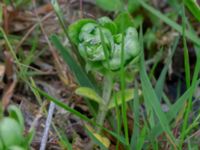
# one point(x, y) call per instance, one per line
point(106, 48)
point(12, 131)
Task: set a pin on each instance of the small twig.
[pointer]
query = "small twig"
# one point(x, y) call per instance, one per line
point(48, 122)
point(47, 126)
point(81, 8)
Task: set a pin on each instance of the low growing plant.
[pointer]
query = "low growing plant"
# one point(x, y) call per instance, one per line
point(108, 48)
point(12, 131)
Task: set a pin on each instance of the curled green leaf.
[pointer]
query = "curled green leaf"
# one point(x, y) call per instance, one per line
point(108, 23)
point(75, 28)
point(131, 48)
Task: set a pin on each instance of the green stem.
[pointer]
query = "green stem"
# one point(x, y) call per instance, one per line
point(103, 108)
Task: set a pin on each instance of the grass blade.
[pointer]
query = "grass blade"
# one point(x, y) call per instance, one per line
point(78, 114)
point(161, 80)
point(136, 130)
point(151, 98)
point(173, 111)
point(171, 23)
point(79, 73)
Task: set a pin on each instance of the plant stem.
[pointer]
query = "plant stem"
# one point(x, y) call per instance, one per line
point(103, 108)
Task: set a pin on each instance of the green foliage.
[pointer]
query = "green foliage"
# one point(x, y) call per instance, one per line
point(190, 35)
point(11, 131)
point(108, 47)
point(1, 14)
point(89, 93)
point(97, 42)
point(116, 99)
point(17, 3)
point(149, 38)
point(100, 43)
point(123, 21)
point(133, 5)
point(21, 3)
point(75, 29)
point(194, 8)
point(15, 113)
point(118, 5)
point(152, 102)
point(109, 24)
point(81, 76)
point(111, 5)
point(92, 95)
point(78, 114)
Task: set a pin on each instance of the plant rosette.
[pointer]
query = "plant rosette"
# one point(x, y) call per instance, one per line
point(102, 44)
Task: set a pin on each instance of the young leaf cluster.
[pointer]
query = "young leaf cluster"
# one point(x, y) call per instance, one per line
point(101, 43)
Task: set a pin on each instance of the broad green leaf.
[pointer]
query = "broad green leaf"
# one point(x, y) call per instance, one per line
point(16, 114)
point(129, 95)
point(194, 8)
point(110, 5)
point(75, 28)
point(11, 132)
point(123, 21)
point(89, 93)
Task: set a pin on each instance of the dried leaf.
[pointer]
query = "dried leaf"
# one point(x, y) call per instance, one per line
point(8, 94)
point(2, 72)
point(104, 140)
